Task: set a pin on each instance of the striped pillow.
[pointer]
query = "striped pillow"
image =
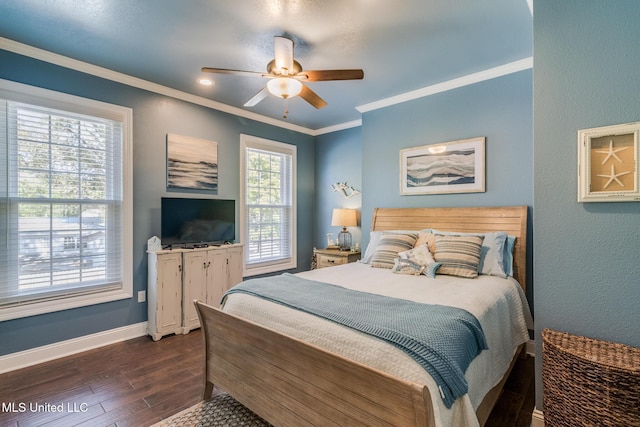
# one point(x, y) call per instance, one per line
point(389, 246)
point(459, 255)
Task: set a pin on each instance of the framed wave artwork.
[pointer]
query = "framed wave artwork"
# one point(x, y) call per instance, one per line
point(192, 163)
point(448, 167)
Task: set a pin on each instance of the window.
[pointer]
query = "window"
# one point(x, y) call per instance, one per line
point(268, 205)
point(65, 201)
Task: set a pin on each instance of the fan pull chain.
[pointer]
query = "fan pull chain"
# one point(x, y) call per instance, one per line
point(286, 107)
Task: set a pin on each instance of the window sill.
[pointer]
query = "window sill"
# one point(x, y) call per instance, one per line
point(50, 306)
point(268, 268)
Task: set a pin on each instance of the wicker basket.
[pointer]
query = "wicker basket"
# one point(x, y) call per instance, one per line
point(589, 382)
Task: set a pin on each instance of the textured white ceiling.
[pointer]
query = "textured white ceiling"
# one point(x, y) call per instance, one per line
point(402, 45)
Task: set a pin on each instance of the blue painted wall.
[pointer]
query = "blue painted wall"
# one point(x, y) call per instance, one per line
point(338, 159)
point(153, 117)
point(586, 62)
point(499, 109)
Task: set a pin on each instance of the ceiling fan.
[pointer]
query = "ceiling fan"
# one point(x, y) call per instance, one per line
point(286, 76)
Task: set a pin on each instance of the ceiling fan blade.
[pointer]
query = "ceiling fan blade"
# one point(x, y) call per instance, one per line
point(283, 54)
point(235, 72)
point(312, 98)
point(262, 94)
point(324, 75)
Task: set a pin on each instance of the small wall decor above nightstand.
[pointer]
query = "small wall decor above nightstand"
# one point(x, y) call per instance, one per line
point(347, 190)
point(333, 257)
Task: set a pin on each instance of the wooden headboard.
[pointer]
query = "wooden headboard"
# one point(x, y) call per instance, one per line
point(512, 219)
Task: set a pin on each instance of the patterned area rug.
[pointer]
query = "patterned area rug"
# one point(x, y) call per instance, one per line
point(218, 411)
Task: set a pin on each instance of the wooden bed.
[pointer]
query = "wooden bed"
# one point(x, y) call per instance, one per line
point(290, 382)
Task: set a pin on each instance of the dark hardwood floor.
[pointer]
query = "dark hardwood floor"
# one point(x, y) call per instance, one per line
point(139, 382)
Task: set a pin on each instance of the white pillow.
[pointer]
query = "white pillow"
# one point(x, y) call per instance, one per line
point(374, 240)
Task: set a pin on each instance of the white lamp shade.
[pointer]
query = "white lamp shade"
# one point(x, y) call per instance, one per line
point(284, 87)
point(344, 218)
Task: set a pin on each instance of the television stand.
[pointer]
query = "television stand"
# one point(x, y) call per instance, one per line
point(176, 277)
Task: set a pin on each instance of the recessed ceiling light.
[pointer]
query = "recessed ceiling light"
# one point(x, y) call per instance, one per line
point(205, 82)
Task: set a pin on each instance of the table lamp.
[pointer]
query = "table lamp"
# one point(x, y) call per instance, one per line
point(344, 218)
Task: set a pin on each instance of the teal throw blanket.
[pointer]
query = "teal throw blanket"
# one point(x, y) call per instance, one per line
point(443, 340)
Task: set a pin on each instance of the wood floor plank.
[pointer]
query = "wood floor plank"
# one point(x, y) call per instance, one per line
point(112, 417)
point(60, 419)
point(138, 382)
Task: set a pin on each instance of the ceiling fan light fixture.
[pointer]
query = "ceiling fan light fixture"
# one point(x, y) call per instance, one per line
point(284, 87)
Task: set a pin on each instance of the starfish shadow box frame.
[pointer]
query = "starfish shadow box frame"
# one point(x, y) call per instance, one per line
point(608, 164)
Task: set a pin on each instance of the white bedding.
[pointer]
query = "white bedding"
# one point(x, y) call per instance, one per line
point(499, 304)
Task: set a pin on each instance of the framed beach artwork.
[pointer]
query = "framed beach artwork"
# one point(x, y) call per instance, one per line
point(448, 167)
point(192, 163)
point(608, 164)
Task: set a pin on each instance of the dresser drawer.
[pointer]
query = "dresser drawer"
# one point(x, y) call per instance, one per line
point(330, 261)
point(330, 257)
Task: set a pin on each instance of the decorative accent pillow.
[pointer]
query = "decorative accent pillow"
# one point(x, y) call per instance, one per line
point(428, 238)
point(406, 266)
point(422, 256)
point(419, 254)
point(389, 246)
point(459, 255)
point(431, 269)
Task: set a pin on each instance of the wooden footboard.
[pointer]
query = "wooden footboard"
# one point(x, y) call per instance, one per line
point(289, 382)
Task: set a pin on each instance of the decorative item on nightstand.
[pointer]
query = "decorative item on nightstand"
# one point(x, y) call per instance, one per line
point(344, 218)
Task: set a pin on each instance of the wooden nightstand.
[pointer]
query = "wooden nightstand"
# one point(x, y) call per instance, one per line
point(331, 257)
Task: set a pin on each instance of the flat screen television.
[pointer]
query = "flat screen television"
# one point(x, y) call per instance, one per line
point(197, 221)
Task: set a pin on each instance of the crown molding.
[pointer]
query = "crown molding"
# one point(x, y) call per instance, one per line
point(492, 73)
point(84, 67)
point(339, 126)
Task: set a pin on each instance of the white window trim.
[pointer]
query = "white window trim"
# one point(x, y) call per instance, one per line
point(48, 98)
point(249, 141)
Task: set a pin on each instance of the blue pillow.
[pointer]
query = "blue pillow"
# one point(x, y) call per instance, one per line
point(508, 255)
point(431, 270)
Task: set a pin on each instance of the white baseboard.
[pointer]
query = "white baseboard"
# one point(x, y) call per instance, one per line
point(537, 418)
point(22, 359)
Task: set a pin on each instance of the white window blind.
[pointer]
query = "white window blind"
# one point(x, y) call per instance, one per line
point(62, 208)
point(268, 205)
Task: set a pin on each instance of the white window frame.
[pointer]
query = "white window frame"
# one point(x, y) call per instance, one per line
point(46, 98)
point(253, 142)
